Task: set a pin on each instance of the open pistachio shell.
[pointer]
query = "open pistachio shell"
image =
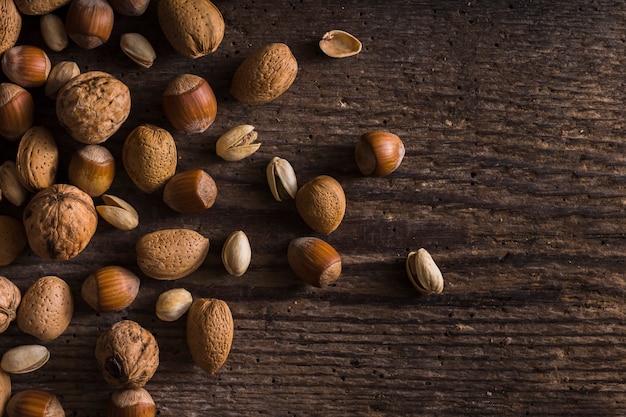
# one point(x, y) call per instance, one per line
point(340, 44)
point(238, 143)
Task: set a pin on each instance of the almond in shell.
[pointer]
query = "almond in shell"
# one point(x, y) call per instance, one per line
point(10, 24)
point(210, 331)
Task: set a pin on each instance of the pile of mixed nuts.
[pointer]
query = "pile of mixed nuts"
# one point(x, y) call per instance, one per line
point(59, 220)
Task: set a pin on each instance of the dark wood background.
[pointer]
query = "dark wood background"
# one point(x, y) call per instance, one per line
point(512, 113)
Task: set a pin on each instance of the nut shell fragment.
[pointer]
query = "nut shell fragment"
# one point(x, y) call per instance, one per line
point(340, 44)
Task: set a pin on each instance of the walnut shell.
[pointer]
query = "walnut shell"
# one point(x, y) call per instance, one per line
point(194, 28)
point(12, 239)
point(46, 308)
point(60, 221)
point(210, 331)
point(11, 24)
point(39, 7)
point(10, 298)
point(37, 159)
point(127, 354)
point(265, 74)
point(92, 106)
point(150, 157)
point(171, 254)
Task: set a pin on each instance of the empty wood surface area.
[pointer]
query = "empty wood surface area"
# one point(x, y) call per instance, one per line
point(512, 114)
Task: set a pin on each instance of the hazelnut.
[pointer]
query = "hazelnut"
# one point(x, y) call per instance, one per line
point(26, 65)
point(134, 402)
point(108, 289)
point(189, 103)
point(314, 261)
point(92, 169)
point(34, 402)
point(379, 153)
point(89, 22)
point(17, 111)
point(190, 191)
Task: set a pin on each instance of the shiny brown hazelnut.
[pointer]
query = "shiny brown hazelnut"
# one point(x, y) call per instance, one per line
point(17, 111)
point(189, 103)
point(26, 65)
point(379, 153)
point(89, 23)
point(92, 169)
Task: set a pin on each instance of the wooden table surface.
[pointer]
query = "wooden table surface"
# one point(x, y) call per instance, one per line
point(514, 179)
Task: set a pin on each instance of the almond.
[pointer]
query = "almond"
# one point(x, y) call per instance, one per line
point(11, 24)
point(37, 159)
point(210, 331)
point(171, 254)
point(321, 203)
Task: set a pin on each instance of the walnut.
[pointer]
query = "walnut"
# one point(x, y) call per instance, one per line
point(10, 298)
point(127, 354)
point(60, 221)
point(92, 106)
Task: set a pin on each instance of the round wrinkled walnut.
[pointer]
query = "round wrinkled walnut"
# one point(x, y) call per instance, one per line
point(60, 221)
point(127, 354)
point(10, 298)
point(92, 106)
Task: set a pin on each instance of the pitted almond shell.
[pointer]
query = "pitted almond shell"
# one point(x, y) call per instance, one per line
point(210, 329)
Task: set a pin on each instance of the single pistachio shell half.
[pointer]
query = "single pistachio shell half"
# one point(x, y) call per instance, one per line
point(24, 359)
point(424, 273)
point(282, 179)
point(340, 44)
point(238, 143)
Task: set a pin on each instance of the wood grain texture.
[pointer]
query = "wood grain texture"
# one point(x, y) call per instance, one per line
point(514, 179)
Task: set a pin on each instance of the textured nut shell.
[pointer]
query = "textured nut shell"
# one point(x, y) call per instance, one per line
point(194, 28)
point(39, 7)
point(60, 221)
point(10, 298)
point(11, 24)
point(314, 261)
point(37, 159)
point(265, 74)
point(150, 157)
point(46, 308)
point(5, 390)
point(321, 203)
point(24, 402)
point(12, 243)
point(171, 254)
point(111, 288)
point(92, 106)
point(25, 358)
point(210, 329)
point(127, 354)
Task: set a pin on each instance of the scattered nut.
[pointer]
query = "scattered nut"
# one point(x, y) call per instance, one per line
point(10, 184)
point(189, 103)
point(236, 253)
point(60, 74)
point(46, 308)
point(37, 159)
point(24, 359)
point(12, 242)
point(379, 153)
point(282, 179)
point(314, 261)
point(424, 273)
point(111, 288)
point(127, 354)
point(138, 48)
point(210, 329)
point(27, 66)
point(238, 143)
point(89, 23)
point(10, 298)
point(171, 254)
point(11, 24)
point(321, 203)
point(34, 402)
point(130, 7)
point(39, 7)
point(340, 44)
point(118, 213)
point(5, 390)
point(17, 111)
point(53, 32)
point(173, 304)
point(134, 402)
point(190, 191)
point(265, 74)
point(92, 169)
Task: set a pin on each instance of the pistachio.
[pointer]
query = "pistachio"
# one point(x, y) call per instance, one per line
point(10, 184)
point(424, 273)
point(53, 32)
point(138, 48)
point(24, 359)
point(173, 304)
point(236, 253)
point(282, 179)
point(238, 143)
point(60, 74)
point(340, 44)
point(118, 213)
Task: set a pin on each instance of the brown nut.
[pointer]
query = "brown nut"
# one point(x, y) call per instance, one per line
point(194, 28)
point(53, 32)
point(111, 288)
point(173, 304)
point(34, 403)
point(46, 308)
point(17, 111)
point(130, 7)
point(60, 74)
point(379, 153)
point(89, 23)
point(39, 7)
point(127, 354)
point(265, 74)
point(138, 48)
point(60, 221)
point(12, 242)
point(314, 261)
point(92, 106)
point(150, 157)
point(10, 184)
point(171, 254)
point(5, 390)
point(210, 329)
point(190, 191)
point(189, 103)
point(92, 169)
point(26, 65)
point(11, 24)
point(134, 402)
point(118, 212)
point(37, 159)
point(321, 203)
point(10, 298)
